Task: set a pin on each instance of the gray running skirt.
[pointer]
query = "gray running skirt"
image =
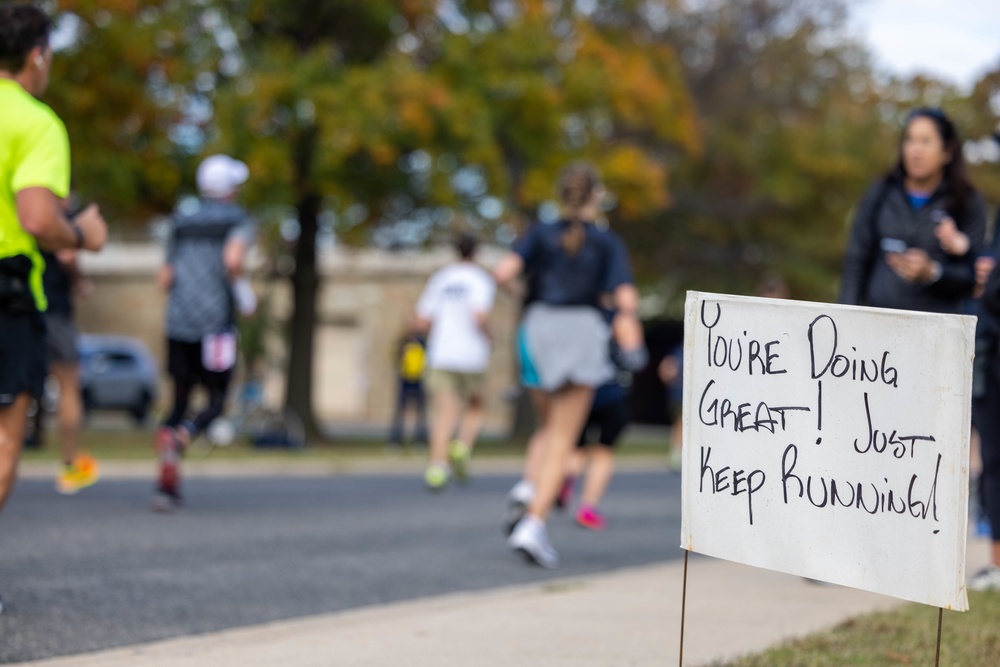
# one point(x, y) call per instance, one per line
point(567, 345)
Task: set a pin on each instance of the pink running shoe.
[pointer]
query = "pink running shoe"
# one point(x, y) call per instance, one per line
point(589, 517)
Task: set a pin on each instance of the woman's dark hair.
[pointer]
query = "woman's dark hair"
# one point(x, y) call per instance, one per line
point(465, 245)
point(22, 28)
point(577, 183)
point(957, 185)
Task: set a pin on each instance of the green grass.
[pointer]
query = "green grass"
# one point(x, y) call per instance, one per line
point(126, 445)
point(136, 445)
point(906, 636)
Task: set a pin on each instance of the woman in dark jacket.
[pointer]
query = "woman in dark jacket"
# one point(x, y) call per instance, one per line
point(918, 230)
point(986, 410)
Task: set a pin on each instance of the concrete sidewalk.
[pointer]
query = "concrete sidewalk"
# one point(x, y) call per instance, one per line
point(630, 617)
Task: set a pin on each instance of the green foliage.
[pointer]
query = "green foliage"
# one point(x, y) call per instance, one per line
point(330, 100)
point(978, 117)
point(395, 113)
point(793, 134)
point(513, 97)
point(907, 636)
point(122, 88)
point(732, 134)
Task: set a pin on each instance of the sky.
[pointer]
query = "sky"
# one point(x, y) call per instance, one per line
point(957, 40)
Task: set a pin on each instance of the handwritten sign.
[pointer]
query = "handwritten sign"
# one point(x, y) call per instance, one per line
point(830, 442)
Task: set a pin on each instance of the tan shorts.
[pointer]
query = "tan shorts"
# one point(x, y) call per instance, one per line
point(466, 385)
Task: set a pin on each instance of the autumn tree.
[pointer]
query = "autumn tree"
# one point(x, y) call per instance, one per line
point(795, 128)
point(326, 109)
point(977, 115)
point(734, 136)
point(406, 115)
point(130, 85)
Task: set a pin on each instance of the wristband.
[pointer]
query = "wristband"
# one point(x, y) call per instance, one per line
point(78, 232)
point(633, 360)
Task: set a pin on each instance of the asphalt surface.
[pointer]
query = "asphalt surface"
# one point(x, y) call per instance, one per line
point(99, 570)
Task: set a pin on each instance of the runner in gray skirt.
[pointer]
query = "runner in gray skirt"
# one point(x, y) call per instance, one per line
point(575, 267)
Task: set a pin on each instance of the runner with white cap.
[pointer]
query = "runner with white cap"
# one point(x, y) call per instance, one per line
point(204, 262)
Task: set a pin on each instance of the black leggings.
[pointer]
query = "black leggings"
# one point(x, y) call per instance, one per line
point(182, 397)
point(184, 364)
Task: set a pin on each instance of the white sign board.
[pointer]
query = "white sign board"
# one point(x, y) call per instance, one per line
point(830, 442)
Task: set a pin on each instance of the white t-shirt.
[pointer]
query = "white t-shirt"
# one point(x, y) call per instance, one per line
point(451, 300)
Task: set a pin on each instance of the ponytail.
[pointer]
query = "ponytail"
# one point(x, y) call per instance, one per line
point(577, 184)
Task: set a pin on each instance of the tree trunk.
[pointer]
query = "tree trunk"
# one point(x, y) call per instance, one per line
point(305, 284)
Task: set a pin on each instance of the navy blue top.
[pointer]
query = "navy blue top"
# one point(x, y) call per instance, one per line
point(561, 279)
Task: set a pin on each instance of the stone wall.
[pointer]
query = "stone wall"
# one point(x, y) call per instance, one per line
point(363, 302)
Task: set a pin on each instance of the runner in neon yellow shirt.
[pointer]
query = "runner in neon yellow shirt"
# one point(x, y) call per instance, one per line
point(40, 158)
point(34, 180)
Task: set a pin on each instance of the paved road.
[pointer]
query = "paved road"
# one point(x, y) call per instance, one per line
point(98, 570)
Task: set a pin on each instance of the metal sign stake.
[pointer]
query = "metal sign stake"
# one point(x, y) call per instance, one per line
point(937, 656)
point(684, 593)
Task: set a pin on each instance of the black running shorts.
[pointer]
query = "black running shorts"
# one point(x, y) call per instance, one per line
point(62, 337)
point(609, 422)
point(23, 356)
point(184, 363)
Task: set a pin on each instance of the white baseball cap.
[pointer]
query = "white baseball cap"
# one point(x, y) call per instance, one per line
point(220, 175)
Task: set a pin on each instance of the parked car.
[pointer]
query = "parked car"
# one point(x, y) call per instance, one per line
point(117, 373)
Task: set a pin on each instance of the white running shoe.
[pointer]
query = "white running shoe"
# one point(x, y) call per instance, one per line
point(987, 579)
point(522, 493)
point(531, 540)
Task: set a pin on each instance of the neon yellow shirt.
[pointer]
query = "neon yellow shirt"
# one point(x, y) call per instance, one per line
point(34, 152)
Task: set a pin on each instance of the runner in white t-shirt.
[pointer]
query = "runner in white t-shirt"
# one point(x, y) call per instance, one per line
point(455, 306)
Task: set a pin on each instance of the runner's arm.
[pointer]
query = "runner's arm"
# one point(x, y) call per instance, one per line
point(41, 214)
point(508, 269)
point(421, 324)
point(626, 327)
point(237, 244)
point(233, 254)
point(165, 278)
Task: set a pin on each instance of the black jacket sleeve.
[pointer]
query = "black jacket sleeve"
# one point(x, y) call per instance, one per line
point(958, 275)
point(861, 248)
point(991, 292)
